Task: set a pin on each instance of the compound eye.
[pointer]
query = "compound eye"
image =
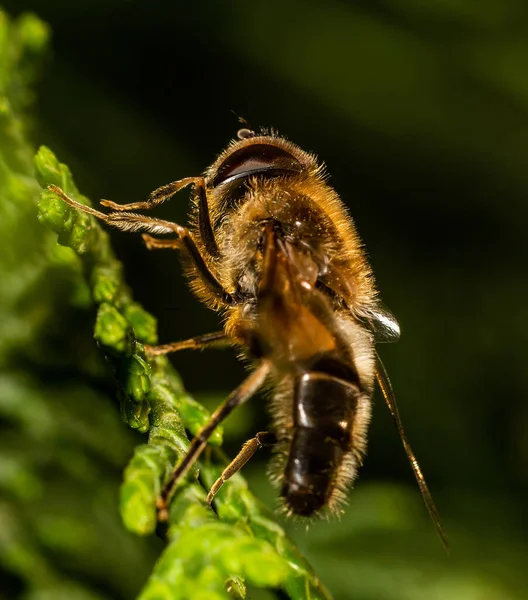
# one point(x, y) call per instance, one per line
point(256, 159)
point(245, 133)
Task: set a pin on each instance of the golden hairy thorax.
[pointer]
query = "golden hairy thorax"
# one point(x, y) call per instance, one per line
point(306, 206)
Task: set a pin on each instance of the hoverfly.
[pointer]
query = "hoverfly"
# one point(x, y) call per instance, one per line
point(272, 248)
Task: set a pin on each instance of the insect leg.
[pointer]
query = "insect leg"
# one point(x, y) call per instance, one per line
point(157, 197)
point(166, 192)
point(262, 438)
point(127, 221)
point(238, 397)
point(153, 243)
point(199, 342)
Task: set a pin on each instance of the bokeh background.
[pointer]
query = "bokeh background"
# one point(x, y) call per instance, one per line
point(420, 111)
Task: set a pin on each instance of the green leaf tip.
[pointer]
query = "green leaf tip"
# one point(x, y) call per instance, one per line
point(235, 588)
point(144, 324)
point(34, 34)
point(106, 282)
point(49, 171)
point(76, 229)
point(54, 213)
point(135, 373)
point(140, 490)
point(113, 331)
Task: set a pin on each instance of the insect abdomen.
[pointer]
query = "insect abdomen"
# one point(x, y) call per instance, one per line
point(324, 410)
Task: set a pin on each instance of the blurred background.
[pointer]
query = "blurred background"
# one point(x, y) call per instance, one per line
point(420, 111)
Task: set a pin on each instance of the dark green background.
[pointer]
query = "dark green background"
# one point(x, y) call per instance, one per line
point(420, 111)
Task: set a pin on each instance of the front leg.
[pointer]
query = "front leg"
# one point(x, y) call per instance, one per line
point(127, 221)
point(157, 197)
point(165, 192)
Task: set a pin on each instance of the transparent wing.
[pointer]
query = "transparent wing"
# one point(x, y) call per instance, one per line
point(378, 319)
point(390, 399)
point(382, 323)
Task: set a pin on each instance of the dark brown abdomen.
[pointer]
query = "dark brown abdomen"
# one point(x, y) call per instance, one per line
point(324, 409)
